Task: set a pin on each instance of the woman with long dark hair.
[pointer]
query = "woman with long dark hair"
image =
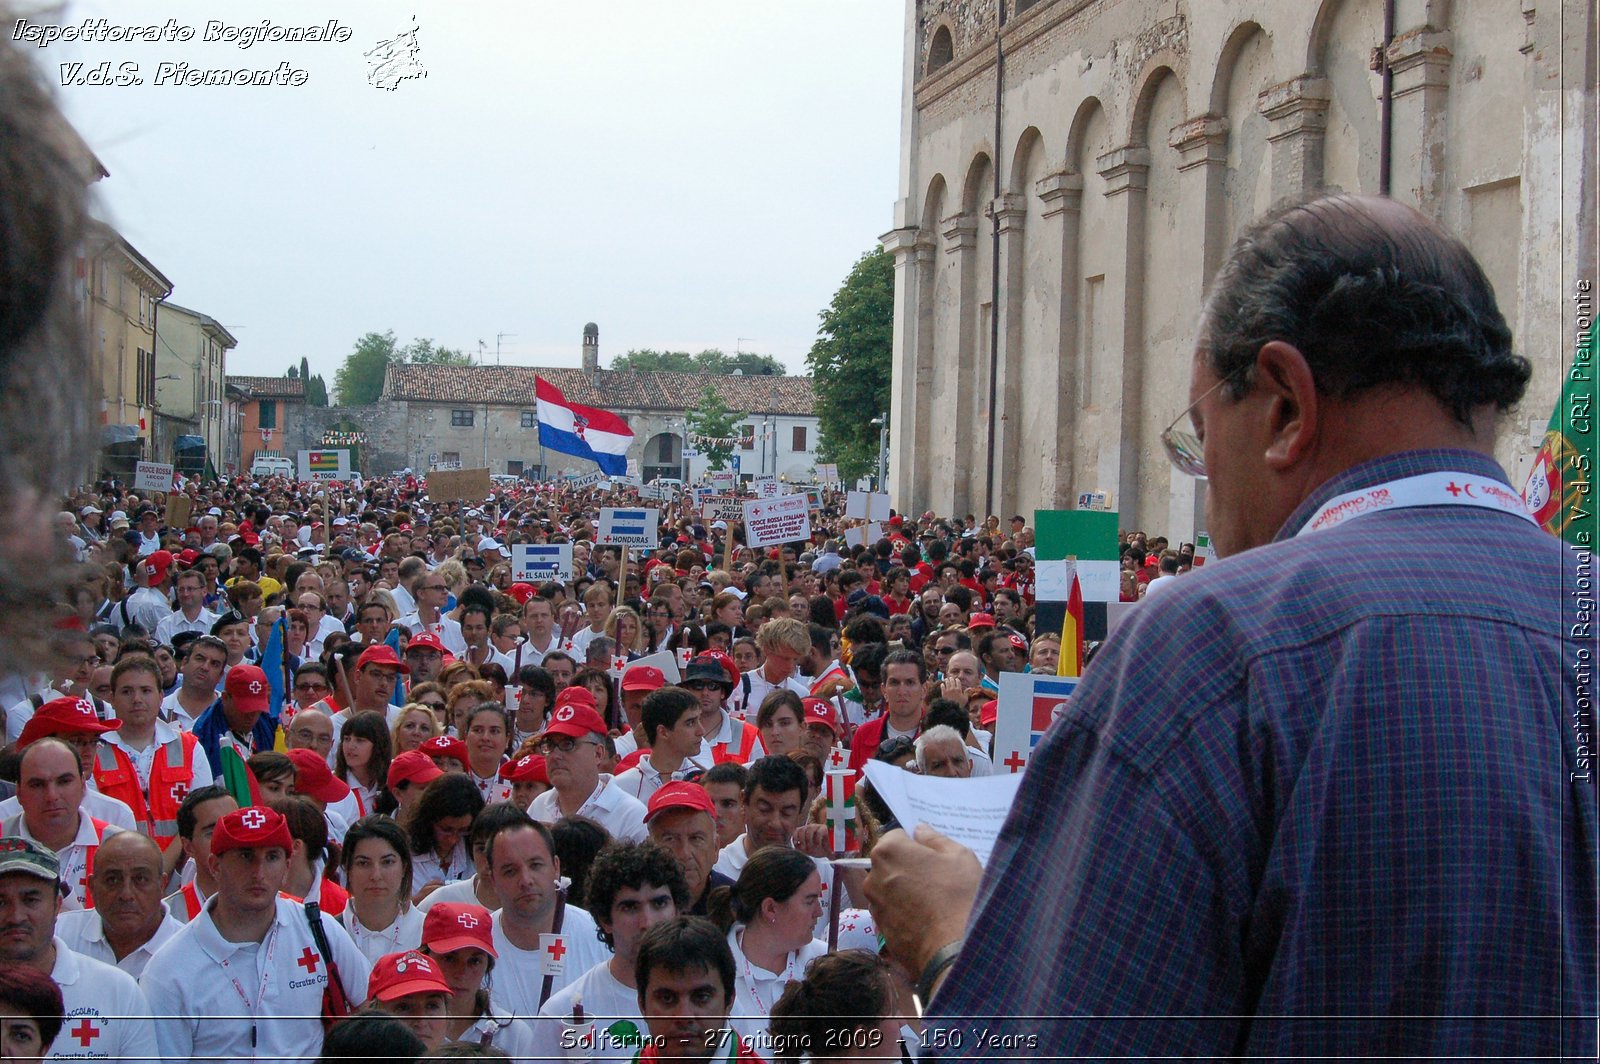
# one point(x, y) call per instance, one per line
point(438, 832)
point(769, 915)
point(362, 761)
point(377, 873)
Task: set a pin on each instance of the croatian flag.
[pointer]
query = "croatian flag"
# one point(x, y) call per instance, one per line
point(582, 431)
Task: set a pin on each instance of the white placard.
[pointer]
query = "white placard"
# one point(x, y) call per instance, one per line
point(782, 520)
point(666, 661)
point(1094, 500)
point(867, 535)
point(722, 479)
point(723, 508)
point(588, 480)
point(1029, 702)
point(629, 528)
point(658, 491)
point(765, 486)
point(828, 472)
point(152, 476)
point(538, 562)
point(970, 811)
point(325, 463)
point(867, 505)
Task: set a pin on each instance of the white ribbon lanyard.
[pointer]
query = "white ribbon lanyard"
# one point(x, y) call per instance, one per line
point(748, 976)
point(267, 951)
point(1426, 489)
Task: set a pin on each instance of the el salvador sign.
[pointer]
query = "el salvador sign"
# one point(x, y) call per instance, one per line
point(538, 562)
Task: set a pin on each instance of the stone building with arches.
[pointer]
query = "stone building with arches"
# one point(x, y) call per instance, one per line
point(1051, 253)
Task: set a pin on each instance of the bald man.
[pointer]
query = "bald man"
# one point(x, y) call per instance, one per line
point(129, 921)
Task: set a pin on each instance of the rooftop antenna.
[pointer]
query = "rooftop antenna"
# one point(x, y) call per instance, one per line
point(481, 348)
point(740, 341)
point(497, 338)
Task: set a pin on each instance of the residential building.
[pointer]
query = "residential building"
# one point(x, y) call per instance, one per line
point(191, 375)
point(122, 292)
point(271, 417)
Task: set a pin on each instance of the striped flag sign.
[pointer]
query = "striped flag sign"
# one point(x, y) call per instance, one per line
point(1029, 702)
point(537, 562)
point(324, 461)
point(628, 528)
point(841, 809)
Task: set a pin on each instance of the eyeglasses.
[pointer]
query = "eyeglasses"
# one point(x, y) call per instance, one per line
point(563, 745)
point(1184, 449)
point(702, 685)
point(311, 685)
point(437, 707)
point(944, 650)
point(433, 587)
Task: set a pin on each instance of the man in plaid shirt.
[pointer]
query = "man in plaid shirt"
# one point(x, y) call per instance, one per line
point(1315, 799)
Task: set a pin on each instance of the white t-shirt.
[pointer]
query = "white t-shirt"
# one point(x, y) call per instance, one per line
point(83, 933)
point(517, 981)
point(175, 622)
point(462, 892)
point(512, 1036)
point(426, 867)
point(760, 687)
point(756, 990)
point(74, 857)
point(106, 1015)
point(644, 779)
point(611, 807)
point(405, 933)
point(619, 1029)
point(275, 986)
point(579, 643)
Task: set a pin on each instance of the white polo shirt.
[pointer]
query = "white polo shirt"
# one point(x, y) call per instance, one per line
point(511, 1036)
point(517, 980)
point(181, 718)
point(756, 990)
point(144, 760)
point(462, 892)
point(83, 932)
point(405, 933)
point(113, 811)
point(610, 807)
point(74, 857)
point(644, 779)
point(107, 1017)
point(175, 622)
point(448, 631)
point(226, 1000)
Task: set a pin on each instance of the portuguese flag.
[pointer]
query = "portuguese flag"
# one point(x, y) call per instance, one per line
point(1560, 488)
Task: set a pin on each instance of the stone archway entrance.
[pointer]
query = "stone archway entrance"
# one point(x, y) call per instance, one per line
point(663, 457)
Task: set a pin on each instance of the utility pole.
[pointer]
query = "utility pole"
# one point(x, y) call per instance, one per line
point(482, 347)
point(497, 338)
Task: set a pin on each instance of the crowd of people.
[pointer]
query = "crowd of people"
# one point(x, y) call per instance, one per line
point(310, 774)
point(455, 764)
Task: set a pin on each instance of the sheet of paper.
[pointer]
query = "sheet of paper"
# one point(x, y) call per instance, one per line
point(970, 811)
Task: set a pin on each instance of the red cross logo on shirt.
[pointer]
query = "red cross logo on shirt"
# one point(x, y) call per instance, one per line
point(308, 961)
point(1015, 761)
point(179, 791)
point(556, 949)
point(85, 1032)
point(253, 818)
point(467, 920)
point(1452, 488)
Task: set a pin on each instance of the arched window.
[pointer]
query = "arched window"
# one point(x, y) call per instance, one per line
point(941, 51)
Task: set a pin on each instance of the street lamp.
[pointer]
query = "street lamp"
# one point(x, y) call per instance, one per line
point(882, 421)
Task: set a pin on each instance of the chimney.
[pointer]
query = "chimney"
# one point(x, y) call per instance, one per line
point(591, 349)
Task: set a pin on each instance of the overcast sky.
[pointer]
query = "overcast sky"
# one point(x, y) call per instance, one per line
point(683, 173)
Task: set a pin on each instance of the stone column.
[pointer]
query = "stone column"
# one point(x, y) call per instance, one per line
point(1420, 61)
point(1126, 173)
point(1009, 213)
point(908, 426)
point(957, 407)
point(1297, 115)
point(1058, 371)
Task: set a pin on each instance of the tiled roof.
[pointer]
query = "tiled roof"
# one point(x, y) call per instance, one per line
point(270, 387)
point(674, 392)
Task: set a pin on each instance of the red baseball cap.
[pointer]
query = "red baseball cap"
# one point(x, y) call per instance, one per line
point(413, 766)
point(679, 795)
point(1019, 644)
point(529, 768)
point(451, 925)
point(577, 698)
point(247, 684)
point(522, 592)
point(989, 712)
point(426, 641)
point(627, 761)
point(314, 779)
point(821, 712)
point(980, 620)
point(445, 746)
point(64, 716)
point(188, 556)
point(254, 827)
point(156, 565)
point(397, 975)
point(382, 654)
point(643, 678)
point(575, 721)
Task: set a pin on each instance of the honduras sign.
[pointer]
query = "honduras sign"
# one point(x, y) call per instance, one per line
point(628, 528)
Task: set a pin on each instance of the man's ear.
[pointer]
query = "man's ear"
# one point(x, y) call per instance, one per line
point(1284, 378)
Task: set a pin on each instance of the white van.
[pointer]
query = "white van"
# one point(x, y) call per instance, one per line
point(266, 466)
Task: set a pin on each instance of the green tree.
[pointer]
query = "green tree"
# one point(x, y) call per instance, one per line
point(293, 373)
point(850, 365)
point(712, 418)
point(317, 391)
point(711, 360)
point(360, 378)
